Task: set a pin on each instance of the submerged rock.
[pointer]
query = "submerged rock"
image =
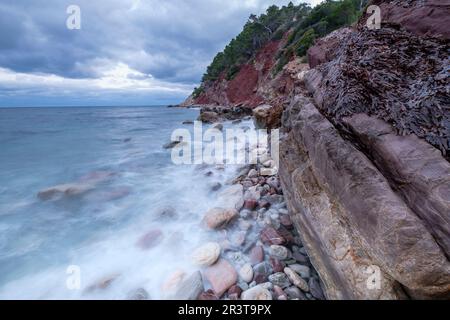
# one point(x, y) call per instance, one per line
point(232, 197)
point(256, 293)
point(217, 218)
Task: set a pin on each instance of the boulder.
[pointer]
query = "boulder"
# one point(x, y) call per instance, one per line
point(256, 293)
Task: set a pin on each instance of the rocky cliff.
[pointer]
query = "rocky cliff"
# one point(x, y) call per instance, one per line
point(364, 148)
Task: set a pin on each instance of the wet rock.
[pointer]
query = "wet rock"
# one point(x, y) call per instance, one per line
point(172, 144)
point(65, 190)
point(166, 213)
point(234, 292)
point(256, 255)
point(250, 204)
point(246, 272)
point(215, 186)
point(280, 279)
point(217, 218)
point(279, 252)
point(295, 293)
point(277, 265)
point(208, 116)
point(190, 288)
point(256, 293)
point(267, 117)
point(221, 276)
point(279, 293)
point(299, 257)
point(315, 289)
point(188, 122)
point(232, 197)
point(270, 236)
point(296, 279)
point(252, 173)
point(286, 221)
point(103, 283)
point(138, 294)
point(173, 282)
point(261, 272)
point(150, 239)
point(237, 239)
point(303, 271)
point(217, 126)
point(207, 254)
point(208, 295)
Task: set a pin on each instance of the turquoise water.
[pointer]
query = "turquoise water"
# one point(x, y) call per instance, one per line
point(118, 153)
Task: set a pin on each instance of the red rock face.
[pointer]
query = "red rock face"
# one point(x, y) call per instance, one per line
point(244, 88)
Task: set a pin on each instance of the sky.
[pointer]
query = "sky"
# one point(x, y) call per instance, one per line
point(126, 52)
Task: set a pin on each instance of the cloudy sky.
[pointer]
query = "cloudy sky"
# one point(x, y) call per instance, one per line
point(127, 52)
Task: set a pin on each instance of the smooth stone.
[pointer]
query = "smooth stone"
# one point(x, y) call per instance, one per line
point(296, 279)
point(138, 294)
point(256, 255)
point(208, 295)
point(250, 204)
point(303, 271)
point(217, 126)
point(221, 276)
point(246, 272)
point(286, 221)
point(256, 293)
point(280, 279)
point(207, 254)
point(315, 289)
point(190, 288)
point(217, 218)
point(150, 240)
point(171, 145)
point(216, 186)
point(278, 291)
point(283, 211)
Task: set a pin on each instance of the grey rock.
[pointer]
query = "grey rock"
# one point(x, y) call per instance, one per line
point(280, 279)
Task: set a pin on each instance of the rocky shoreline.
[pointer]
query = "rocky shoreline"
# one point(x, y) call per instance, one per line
point(255, 252)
